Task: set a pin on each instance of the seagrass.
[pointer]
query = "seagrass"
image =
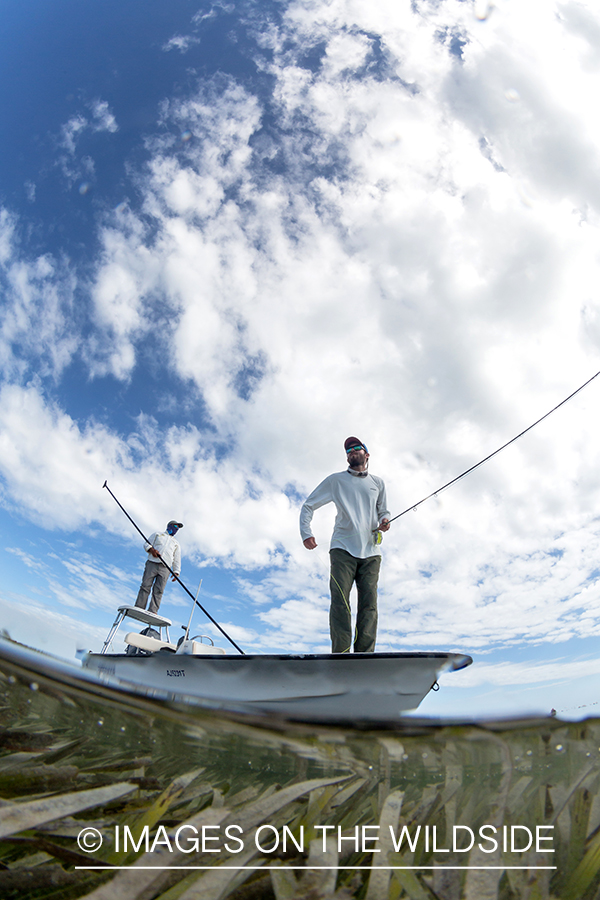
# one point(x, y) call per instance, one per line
point(70, 760)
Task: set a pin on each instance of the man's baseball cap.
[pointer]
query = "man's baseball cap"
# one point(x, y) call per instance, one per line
point(354, 442)
point(176, 524)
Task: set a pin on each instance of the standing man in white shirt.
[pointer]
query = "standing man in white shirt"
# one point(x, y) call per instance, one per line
point(162, 544)
point(355, 551)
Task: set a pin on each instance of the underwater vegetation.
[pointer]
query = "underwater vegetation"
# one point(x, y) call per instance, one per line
point(110, 796)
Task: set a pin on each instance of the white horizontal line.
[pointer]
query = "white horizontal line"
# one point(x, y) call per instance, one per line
point(311, 868)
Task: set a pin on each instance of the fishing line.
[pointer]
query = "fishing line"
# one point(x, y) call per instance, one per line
point(176, 577)
point(503, 447)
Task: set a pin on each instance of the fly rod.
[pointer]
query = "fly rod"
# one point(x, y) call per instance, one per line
point(176, 577)
point(482, 461)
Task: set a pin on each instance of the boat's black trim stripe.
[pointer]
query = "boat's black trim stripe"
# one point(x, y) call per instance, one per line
point(332, 656)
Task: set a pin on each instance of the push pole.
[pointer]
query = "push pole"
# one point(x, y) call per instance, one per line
point(176, 577)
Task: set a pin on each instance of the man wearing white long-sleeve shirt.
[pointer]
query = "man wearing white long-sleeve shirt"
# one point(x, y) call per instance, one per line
point(162, 544)
point(355, 552)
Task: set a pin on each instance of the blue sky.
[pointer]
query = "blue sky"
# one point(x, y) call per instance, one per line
point(233, 235)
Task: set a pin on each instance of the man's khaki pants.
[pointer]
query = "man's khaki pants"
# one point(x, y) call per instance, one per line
point(155, 576)
point(345, 571)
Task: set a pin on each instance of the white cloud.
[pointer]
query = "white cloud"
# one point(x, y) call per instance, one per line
point(99, 120)
point(181, 42)
point(71, 131)
point(214, 10)
point(128, 273)
point(528, 673)
point(35, 333)
point(102, 117)
point(55, 470)
point(36, 625)
point(7, 233)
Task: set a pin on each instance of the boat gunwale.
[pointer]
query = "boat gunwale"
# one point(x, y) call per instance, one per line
point(460, 660)
point(228, 656)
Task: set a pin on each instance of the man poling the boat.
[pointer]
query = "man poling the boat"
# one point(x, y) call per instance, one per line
point(164, 556)
point(175, 576)
point(355, 552)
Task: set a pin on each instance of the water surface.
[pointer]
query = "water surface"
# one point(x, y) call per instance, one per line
point(193, 802)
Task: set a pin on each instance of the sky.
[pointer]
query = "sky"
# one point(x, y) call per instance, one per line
point(232, 235)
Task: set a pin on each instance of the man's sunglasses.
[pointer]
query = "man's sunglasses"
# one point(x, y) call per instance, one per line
point(358, 447)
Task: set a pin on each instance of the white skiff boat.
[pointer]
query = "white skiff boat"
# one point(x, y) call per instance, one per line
point(323, 687)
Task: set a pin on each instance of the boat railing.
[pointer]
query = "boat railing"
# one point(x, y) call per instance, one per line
point(140, 615)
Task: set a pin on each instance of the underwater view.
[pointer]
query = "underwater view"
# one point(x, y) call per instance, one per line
point(110, 795)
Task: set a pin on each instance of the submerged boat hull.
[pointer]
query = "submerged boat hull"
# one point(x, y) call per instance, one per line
point(319, 687)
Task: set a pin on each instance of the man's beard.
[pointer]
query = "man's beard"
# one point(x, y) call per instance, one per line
point(355, 460)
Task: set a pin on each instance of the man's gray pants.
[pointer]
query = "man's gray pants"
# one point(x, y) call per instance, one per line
point(155, 577)
point(345, 571)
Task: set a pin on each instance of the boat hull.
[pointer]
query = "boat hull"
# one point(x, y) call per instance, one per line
point(316, 687)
